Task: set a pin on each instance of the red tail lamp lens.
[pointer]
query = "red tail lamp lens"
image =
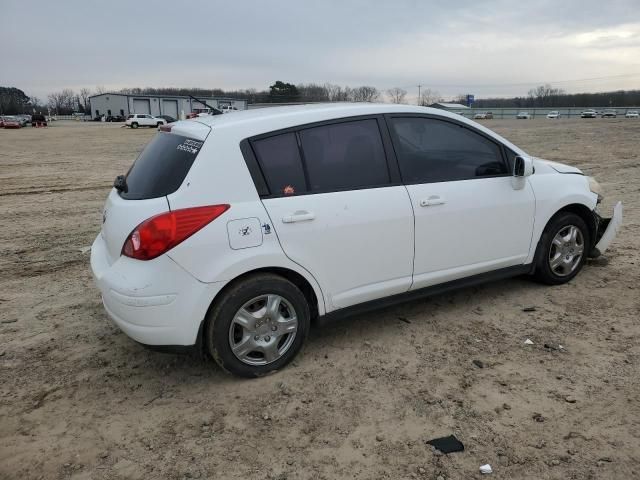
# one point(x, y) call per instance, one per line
point(161, 233)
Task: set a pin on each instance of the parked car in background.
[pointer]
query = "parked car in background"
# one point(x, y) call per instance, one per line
point(24, 119)
point(483, 116)
point(523, 116)
point(609, 114)
point(144, 120)
point(228, 109)
point(632, 114)
point(168, 118)
point(10, 121)
point(553, 114)
point(38, 120)
point(230, 241)
point(115, 118)
point(590, 113)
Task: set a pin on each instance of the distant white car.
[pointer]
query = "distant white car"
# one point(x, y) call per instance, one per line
point(632, 114)
point(523, 116)
point(483, 116)
point(144, 120)
point(228, 109)
point(554, 114)
point(234, 232)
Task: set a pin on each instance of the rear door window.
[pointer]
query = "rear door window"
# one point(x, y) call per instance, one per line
point(279, 158)
point(161, 167)
point(346, 155)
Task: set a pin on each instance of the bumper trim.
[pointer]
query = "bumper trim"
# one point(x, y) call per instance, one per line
point(611, 227)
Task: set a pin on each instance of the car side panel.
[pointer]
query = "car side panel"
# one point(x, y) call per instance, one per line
point(208, 255)
point(554, 191)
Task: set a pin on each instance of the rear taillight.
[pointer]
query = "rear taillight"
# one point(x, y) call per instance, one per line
point(158, 234)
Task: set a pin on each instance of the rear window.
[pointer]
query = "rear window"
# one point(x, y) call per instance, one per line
point(161, 167)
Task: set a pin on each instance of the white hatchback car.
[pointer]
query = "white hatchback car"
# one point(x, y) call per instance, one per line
point(136, 120)
point(233, 232)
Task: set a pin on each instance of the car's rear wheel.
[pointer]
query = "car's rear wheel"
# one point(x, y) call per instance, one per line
point(159, 124)
point(134, 125)
point(257, 326)
point(563, 249)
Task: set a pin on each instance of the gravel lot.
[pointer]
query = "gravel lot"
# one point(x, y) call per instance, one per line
point(79, 400)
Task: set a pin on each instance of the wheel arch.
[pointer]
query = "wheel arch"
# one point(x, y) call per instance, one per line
point(316, 308)
point(580, 209)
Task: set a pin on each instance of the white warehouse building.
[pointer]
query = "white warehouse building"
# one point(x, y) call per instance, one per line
point(172, 105)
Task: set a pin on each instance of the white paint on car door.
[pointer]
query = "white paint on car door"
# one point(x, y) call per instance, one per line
point(358, 244)
point(468, 227)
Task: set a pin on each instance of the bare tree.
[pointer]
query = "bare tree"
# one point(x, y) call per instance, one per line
point(544, 95)
point(365, 94)
point(428, 96)
point(100, 90)
point(397, 95)
point(62, 102)
point(85, 93)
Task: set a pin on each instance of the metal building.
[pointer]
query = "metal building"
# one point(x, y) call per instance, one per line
point(172, 105)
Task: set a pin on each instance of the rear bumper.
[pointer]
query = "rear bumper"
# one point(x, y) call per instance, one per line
point(154, 302)
point(607, 229)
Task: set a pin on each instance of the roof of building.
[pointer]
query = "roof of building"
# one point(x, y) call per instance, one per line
point(143, 95)
point(447, 105)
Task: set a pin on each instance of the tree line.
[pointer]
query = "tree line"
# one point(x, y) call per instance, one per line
point(549, 97)
point(67, 101)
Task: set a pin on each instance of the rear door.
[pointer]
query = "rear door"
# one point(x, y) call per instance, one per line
point(339, 209)
point(468, 217)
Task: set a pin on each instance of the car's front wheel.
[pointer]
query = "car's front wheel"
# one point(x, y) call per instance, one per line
point(257, 326)
point(134, 125)
point(563, 249)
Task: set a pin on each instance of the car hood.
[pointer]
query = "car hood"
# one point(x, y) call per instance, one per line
point(558, 167)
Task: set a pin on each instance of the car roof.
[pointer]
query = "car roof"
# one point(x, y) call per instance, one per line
point(248, 123)
point(309, 113)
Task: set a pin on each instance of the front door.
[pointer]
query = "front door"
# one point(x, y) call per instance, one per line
point(336, 212)
point(468, 217)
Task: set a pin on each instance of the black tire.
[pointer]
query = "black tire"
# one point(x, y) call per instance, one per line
point(543, 271)
point(220, 317)
point(134, 125)
point(159, 124)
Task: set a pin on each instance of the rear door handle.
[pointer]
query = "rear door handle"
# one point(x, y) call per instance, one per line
point(299, 216)
point(432, 200)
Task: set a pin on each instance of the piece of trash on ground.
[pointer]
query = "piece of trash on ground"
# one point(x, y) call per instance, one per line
point(528, 341)
point(486, 468)
point(448, 444)
point(529, 309)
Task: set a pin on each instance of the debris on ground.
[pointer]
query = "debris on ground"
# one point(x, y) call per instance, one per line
point(528, 341)
point(478, 363)
point(529, 309)
point(448, 444)
point(486, 468)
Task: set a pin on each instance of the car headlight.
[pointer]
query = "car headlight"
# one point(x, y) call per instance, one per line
point(595, 187)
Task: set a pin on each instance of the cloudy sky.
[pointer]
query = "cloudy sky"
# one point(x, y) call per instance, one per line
point(490, 47)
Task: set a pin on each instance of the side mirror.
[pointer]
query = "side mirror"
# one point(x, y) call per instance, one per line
point(523, 166)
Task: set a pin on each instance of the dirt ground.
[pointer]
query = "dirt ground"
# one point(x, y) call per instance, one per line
point(79, 400)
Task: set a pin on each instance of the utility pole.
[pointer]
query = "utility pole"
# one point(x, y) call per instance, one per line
point(419, 99)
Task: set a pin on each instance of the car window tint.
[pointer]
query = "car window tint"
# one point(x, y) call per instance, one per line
point(344, 155)
point(161, 167)
point(431, 150)
point(279, 159)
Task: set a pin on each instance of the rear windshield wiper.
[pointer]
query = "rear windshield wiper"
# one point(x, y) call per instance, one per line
point(120, 184)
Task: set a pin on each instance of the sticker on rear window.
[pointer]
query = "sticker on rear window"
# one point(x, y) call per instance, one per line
point(190, 146)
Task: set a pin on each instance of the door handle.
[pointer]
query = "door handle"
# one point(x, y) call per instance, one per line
point(299, 216)
point(432, 200)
